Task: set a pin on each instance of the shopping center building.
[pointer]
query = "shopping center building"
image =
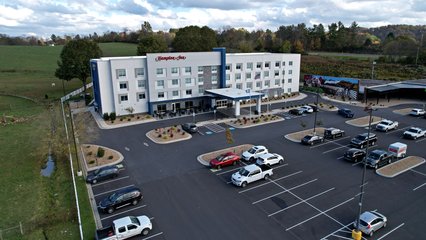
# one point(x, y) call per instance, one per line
point(170, 82)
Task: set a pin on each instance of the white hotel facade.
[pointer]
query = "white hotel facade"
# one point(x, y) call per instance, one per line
point(171, 81)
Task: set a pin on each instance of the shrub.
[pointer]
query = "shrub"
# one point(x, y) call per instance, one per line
point(129, 119)
point(183, 133)
point(171, 135)
point(106, 116)
point(89, 153)
point(138, 117)
point(159, 135)
point(91, 161)
point(110, 157)
point(165, 137)
point(101, 152)
point(112, 116)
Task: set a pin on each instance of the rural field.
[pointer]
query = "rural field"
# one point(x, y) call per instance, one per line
point(43, 206)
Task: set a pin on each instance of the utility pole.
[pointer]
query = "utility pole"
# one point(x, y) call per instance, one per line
point(316, 104)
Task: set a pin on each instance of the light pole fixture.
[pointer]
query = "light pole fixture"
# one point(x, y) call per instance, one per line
point(315, 118)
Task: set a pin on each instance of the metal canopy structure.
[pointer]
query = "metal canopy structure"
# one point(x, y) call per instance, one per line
point(408, 89)
point(234, 93)
point(396, 86)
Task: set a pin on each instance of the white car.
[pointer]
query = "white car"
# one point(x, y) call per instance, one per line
point(417, 112)
point(270, 159)
point(370, 222)
point(414, 133)
point(253, 153)
point(307, 109)
point(386, 125)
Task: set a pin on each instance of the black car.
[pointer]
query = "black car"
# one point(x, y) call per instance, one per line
point(345, 112)
point(314, 107)
point(333, 133)
point(361, 140)
point(296, 111)
point(312, 139)
point(121, 198)
point(190, 127)
point(354, 155)
point(102, 174)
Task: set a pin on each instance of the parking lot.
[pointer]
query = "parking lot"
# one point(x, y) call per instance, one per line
point(313, 195)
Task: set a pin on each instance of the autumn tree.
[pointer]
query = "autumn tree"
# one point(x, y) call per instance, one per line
point(194, 39)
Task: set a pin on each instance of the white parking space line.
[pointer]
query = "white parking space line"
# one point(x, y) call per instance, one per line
point(356, 163)
point(263, 184)
point(116, 179)
point(419, 186)
point(341, 237)
point(276, 194)
point(155, 235)
point(334, 149)
point(223, 172)
point(402, 224)
point(421, 140)
point(307, 199)
point(329, 141)
point(398, 130)
point(418, 172)
point(319, 214)
point(340, 158)
point(113, 190)
point(114, 215)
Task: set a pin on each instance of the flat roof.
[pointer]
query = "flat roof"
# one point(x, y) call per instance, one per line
point(396, 86)
point(234, 93)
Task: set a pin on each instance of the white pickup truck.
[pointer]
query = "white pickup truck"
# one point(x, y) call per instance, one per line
point(251, 173)
point(125, 228)
point(386, 125)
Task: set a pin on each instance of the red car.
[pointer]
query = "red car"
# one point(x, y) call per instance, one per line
point(225, 159)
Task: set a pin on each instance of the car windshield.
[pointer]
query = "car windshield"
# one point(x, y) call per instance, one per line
point(361, 137)
point(220, 157)
point(113, 197)
point(363, 223)
point(374, 156)
point(97, 171)
point(385, 123)
point(308, 137)
point(412, 130)
point(243, 172)
point(135, 220)
point(252, 150)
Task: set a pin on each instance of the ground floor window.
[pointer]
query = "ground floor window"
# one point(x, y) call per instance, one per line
point(161, 107)
point(221, 103)
point(188, 104)
point(124, 98)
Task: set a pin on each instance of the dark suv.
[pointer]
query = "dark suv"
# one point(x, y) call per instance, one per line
point(345, 112)
point(102, 174)
point(121, 198)
point(333, 133)
point(354, 155)
point(361, 140)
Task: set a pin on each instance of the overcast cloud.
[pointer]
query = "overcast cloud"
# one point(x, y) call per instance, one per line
point(45, 17)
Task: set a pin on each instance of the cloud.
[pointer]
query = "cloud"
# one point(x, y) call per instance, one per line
point(130, 6)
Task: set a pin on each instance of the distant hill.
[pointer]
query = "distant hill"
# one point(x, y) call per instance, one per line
point(397, 30)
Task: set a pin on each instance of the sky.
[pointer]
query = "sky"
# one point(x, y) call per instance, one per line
point(43, 18)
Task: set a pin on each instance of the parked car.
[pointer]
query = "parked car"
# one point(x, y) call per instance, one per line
point(378, 158)
point(296, 111)
point(253, 153)
point(120, 198)
point(190, 127)
point(370, 222)
point(314, 107)
point(225, 159)
point(361, 140)
point(124, 228)
point(312, 139)
point(251, 173)
point(386, 125)
point(333, 133)
point(354, 155)
point(345, 112)
point(417, 112)
point(414, 133)
point(307, 109)
point(102, 173)
point(270, 159)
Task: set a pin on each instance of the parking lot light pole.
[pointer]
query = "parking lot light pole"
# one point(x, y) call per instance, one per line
point(370, 111)
point(315, 118)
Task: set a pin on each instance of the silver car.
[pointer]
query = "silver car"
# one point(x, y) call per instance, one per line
point(370, 222)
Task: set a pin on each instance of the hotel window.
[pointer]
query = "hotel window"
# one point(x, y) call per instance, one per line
point(290, 63)
point(289, 90)
point(123, 98)
point(238, 66)
point(290, 72)
point(188, 81)
point(141, 83)
point(214, 68)
point(277, 64)
point(238, 76)
point(175, 70)
point(200, 69)
point(141, 96)
point(160, 84)
point(228, 67)
point(283, 72)
point(290, 80)
point(267, 64)
point(160, 71)
point(277, 82)
point(175, 93)
point(121, 73)
point(123, 85)
point(250, 66)
point(139, 72)
point(248, 75)
point(249, 85)
point(283, 64)
point(188, 92)
point(276, 73)
point(187, 69)
point(258, 84)
point(200, 79)
point(283, 81)
point(175, 82)
point(259, 65)
point(266, 74)
point(257, 75)
point(267, 83)
point(214, 78)
point(160, 95)
point(228, 77)
point(239, 86)
point(200, 90)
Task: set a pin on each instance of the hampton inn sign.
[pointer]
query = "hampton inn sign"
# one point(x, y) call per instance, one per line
point(167, 58)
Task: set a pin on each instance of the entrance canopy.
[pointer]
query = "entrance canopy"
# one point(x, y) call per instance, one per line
point(234, 93)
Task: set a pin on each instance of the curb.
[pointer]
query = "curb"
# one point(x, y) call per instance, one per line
point(189, 136)
point(256, 124)
point(363, 125)
point(287, 136)
point(224, 150)
point(120, 158)
point(400, 172)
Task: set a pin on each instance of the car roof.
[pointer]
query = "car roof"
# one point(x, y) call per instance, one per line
point(378, 151)
point(345, 109)
point(416, 109)
point(259, 147)
point(416, 128)
point(366, 134)
point(122, 221)
point(386, 120)
point(266, 155)
point(368, 216)
point(251, 167)
point(128, 189)
point(354, 150)
point(108, 167)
